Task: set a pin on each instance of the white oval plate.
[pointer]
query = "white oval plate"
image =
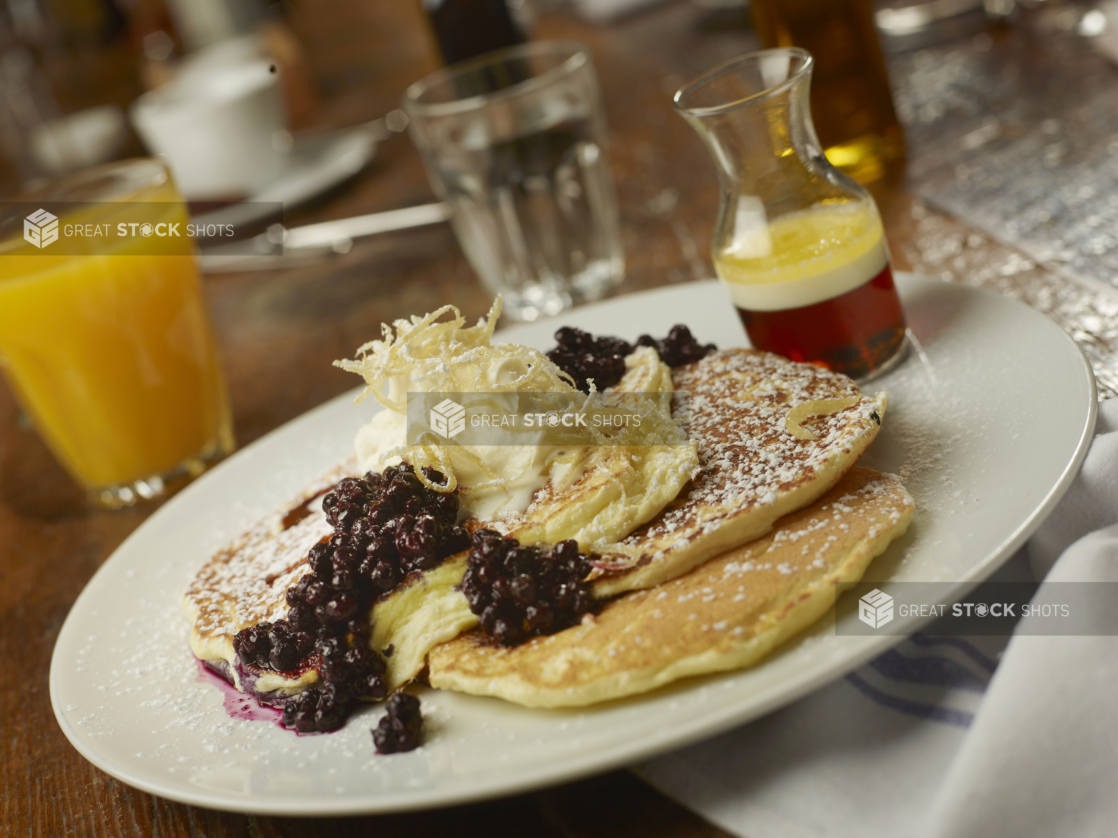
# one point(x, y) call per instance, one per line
point(992, 421)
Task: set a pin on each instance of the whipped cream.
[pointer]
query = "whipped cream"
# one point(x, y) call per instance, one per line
point(525, 468)
point(424, 355)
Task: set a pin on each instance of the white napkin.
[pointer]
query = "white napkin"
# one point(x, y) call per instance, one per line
point(923, 741)
point(1092, 501)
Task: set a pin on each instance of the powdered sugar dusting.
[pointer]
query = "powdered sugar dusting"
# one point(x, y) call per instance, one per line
point(245, 582)
point(736, 411)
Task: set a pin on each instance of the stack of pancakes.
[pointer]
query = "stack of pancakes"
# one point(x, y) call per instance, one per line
point(753, 549)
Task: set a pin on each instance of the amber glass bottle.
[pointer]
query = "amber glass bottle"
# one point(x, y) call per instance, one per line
point(851, 102)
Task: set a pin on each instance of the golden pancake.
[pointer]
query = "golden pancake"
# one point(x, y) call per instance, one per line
point(611, 489)
point(725, 614)
point(748, 413)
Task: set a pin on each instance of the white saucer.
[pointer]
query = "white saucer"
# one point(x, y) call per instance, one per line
point(314, 165)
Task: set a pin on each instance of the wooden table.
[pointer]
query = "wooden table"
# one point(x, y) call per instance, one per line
point(279, 331)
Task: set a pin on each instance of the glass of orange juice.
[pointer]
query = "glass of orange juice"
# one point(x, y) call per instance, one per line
point(105, 339)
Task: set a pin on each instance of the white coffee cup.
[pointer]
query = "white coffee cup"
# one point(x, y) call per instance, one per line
point(220, 125)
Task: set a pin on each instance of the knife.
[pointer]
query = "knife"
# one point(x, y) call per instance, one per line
point(313, 241)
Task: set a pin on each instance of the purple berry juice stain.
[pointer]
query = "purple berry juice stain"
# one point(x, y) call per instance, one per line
point(236, 704)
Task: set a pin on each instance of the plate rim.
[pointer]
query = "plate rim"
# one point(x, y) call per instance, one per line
point(537, 777)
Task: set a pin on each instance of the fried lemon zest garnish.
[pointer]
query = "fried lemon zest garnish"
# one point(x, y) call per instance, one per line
point(816, 407)
point(437, 353)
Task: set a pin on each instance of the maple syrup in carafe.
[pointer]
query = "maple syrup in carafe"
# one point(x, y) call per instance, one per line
point(854, 333)
point(816, 286)
point(799, 246)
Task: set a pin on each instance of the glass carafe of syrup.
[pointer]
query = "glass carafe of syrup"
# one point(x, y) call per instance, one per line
point(799, 246)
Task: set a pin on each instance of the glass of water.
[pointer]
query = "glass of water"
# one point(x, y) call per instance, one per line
point(514, 142)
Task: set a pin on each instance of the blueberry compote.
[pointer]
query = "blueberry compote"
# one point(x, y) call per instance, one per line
point(386, 526)
point(401, 728)
point(679, 347)
point(583, 356)
point(522, 592)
